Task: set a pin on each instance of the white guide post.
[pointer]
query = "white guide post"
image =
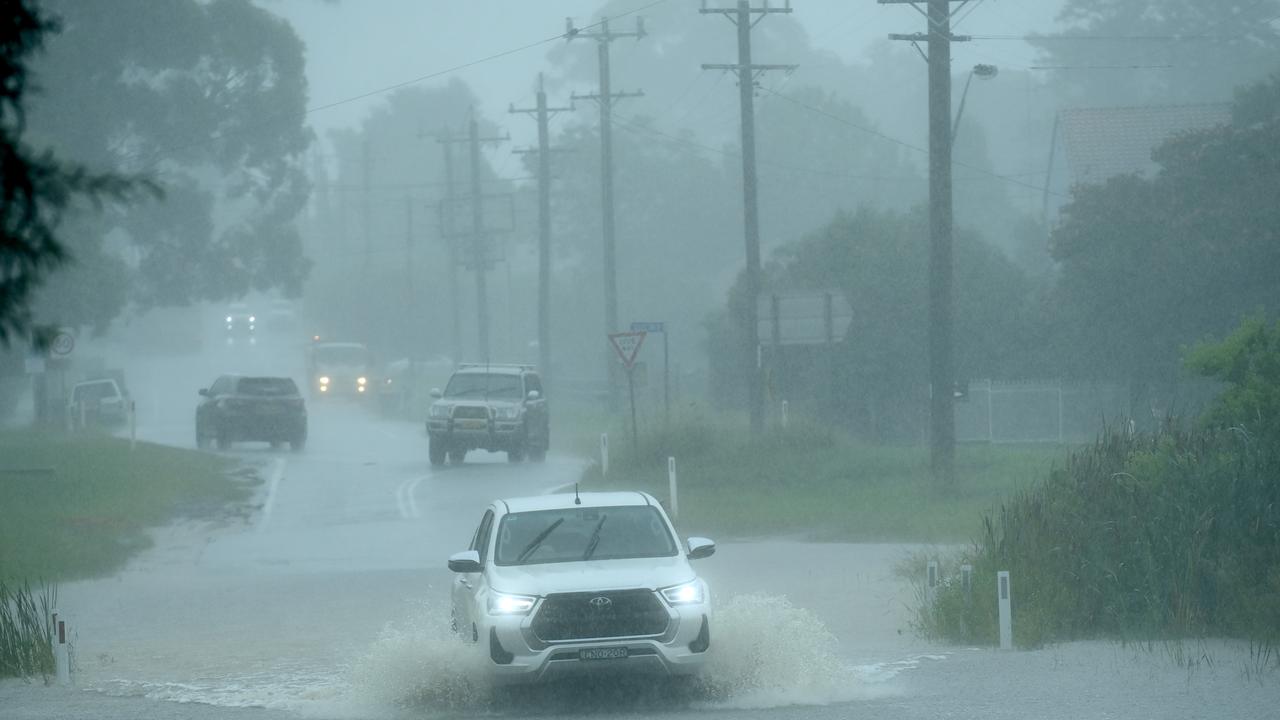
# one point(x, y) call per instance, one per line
point(672, 488)
point(604, 454)
point(785, 413)
point(1006, 616)
point(61, 654)
point(931, 583)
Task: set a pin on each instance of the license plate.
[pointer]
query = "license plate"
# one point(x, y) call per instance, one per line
point(474, 424)
point(609, 653)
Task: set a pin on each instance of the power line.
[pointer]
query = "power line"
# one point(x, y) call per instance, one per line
point(909, 146)
point(158, 155)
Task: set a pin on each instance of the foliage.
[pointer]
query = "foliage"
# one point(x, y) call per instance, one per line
point(1248, 360)
point(879, 261)
point(36, 188)
point(1174, 534)
point(1158, 51)
point(1150, 265)
point(26, 624)
point(213, 107)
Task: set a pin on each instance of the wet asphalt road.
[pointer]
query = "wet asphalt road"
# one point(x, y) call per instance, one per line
point(329, 600)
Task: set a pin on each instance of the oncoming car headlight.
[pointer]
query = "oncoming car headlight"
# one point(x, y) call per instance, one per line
point(362, 380)
point(504, 604)
point(439, 411)
point(690, 593)
point(508, 413)
point(324, 379)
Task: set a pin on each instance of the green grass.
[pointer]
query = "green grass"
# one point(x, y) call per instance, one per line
point(79, 506)
point(816, 483)
point(26, 624)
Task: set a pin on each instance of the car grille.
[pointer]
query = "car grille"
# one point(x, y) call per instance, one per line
point(587, 615)
point(471, 412)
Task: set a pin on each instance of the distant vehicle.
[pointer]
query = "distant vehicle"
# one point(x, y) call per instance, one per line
point(281, 316)
point(499, 408)
point(239, 408)
point(240, 322)
point(564, 585)
point(100, 401)
point(340, 368)
point(404, 384)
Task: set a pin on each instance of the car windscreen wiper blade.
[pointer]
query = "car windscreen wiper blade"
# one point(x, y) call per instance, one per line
point(595, 539)
point(534, 543)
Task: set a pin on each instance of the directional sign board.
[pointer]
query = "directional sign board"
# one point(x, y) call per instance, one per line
point(648, 327)
point(627, 345)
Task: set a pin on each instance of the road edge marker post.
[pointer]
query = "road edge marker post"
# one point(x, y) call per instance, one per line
point(604, 454)
point(1003, 594)
point(930, 584)
point(61, 656)
point(785, 414)
point(673, 487)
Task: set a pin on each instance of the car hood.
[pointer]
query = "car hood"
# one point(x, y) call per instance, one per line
point(341, 369)
point(473, 402)
point(649, 573)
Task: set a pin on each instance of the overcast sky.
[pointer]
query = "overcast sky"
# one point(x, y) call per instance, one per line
point(355, 47)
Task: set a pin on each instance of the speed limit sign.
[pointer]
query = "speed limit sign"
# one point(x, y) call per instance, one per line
point(62, 344)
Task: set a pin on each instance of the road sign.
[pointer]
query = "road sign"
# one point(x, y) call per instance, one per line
point(627, 345)
point(63, 343)
point(648, 327)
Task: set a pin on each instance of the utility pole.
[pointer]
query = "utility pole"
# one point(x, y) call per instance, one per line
point(364, 205)
point(411, 281)
point(543, 114)
point(747, 73)
point(942, 421)
point(605, 98)
point(449, 232)
point(478, 255)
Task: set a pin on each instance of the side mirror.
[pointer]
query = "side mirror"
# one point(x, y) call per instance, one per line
point(700, 547)
point(534, 395)
point(467, 561)
point(204, 392)
point(435, 393)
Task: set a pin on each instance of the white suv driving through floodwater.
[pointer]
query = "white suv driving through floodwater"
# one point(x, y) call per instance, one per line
point(560, 585)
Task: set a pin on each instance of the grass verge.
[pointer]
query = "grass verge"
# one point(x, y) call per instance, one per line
point(79, 506)
point(811, 481)
point(26, 625)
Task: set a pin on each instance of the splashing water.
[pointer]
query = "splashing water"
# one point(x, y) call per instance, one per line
point(766, 652)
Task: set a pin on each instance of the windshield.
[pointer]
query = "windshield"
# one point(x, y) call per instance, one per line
point(266, 387)
point(576, 534)
point(501, 386)
point(341, 355)
point(94, 392)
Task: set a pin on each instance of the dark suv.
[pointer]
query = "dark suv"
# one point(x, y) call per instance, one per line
point(499, 408)
point(238, 408)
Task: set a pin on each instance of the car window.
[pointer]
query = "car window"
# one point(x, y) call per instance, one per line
point(94, 392)
point(266, 387)
point(598, 533)
point(480, 541)
point(341, 354)
point(533, 384)
point(496, 386)
point(220, 386)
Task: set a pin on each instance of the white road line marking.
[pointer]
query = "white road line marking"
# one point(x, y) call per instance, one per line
point(400, 499)
point(411, 494)
point(277, 472)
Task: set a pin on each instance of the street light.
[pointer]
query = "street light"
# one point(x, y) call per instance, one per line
point(986, 72)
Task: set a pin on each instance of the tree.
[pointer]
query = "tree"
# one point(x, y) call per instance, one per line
point(1134, 52)
point(1149, 266)
point(878, 259)
point(1248, 360)
point(213, 107)
point(36, 188)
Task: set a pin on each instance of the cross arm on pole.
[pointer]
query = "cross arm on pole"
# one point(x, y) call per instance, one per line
point(613, 96)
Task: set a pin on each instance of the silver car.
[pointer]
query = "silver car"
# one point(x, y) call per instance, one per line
point(561, 585)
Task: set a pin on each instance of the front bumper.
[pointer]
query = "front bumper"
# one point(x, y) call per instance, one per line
point(515, 655)
point(475, 433)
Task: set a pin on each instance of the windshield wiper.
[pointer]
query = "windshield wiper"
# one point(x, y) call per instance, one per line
point(595, 539)
point(534, 543)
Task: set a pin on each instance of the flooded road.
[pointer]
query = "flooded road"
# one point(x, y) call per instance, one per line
point(328, 599)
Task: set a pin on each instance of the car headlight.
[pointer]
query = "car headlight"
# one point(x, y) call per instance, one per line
point(253, 319)
point(508, 413)
point(228, 318)
point(324, 379)
point(362, 380)
point(690, 593)
point(439, 411)
point(504, 604)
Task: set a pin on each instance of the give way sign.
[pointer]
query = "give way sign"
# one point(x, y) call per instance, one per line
point(627, 345)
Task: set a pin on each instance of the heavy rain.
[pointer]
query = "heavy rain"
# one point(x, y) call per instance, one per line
point(639, 358)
